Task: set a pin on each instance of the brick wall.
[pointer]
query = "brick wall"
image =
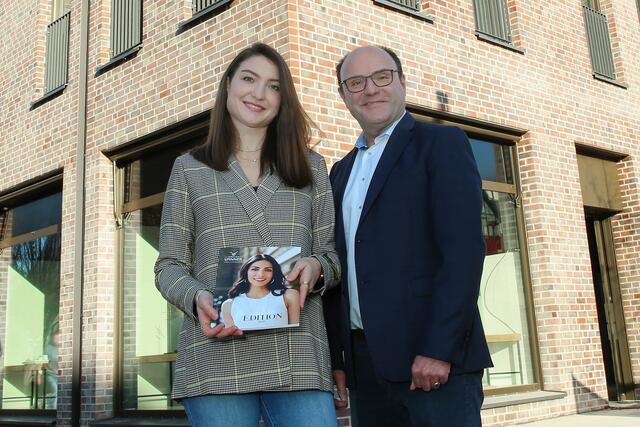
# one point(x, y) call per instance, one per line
point(548, 90)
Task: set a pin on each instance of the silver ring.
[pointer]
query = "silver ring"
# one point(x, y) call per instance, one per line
point(435, 385)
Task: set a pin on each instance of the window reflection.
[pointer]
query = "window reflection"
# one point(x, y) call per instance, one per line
point(493, 160)
point(35, 215)
point(502, 302)
point(150, 174)
point(30, 285)
point(150, 324)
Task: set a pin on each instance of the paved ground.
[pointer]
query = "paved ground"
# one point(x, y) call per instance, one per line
point(605, 418)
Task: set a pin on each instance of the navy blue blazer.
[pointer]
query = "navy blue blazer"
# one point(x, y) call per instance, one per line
point(419, 255)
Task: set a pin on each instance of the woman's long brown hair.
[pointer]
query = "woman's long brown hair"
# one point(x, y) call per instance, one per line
point(287, 140)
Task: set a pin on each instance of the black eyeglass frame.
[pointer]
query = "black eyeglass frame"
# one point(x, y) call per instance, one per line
point(369, 77)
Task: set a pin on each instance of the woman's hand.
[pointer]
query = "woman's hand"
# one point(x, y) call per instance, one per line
point(207, 314)
point(340, 396)
point(306, 272)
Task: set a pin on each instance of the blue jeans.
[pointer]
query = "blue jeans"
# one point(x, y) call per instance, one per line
point(309, 408)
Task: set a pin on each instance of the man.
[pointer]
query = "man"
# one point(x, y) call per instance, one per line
point(404, 324)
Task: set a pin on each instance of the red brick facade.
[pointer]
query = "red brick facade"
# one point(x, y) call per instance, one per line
point(547, 90)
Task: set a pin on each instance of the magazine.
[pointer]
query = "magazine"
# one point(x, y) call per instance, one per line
point(252, 291)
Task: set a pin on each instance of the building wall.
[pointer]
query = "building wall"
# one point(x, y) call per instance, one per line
point(34, 143)
point(172, 78)
point(548, 90)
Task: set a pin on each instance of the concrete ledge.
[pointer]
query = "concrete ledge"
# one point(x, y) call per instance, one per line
point(625, 404)
point(521, 398)
point(27, 420)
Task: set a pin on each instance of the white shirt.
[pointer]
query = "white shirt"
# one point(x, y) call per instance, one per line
point(355, 193)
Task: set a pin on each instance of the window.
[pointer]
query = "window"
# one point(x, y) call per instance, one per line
point(202, 10)
point(413, 8)
point(504, 301)
point(149, 325)
point(126, 26)
point(409, 4)
point(203, 5)
point(599, 41)
point(30, 277)
point(56, 70)
point(58, 8)
point(492, 19)
point(56, 53)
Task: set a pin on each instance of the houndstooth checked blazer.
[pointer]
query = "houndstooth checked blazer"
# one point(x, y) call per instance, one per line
point(206, 210)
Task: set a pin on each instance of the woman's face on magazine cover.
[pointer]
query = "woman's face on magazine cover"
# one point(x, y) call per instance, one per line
point(260, 273)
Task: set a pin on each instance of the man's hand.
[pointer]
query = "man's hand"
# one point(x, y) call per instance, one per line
point(425, 372)
point(307, 271)
point(339, 378)
point(206, 314)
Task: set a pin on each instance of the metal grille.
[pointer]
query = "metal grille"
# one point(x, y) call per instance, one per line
point(599, 43)
point(200, 5)
point(56, 71)
point(410, 4)
point(126, 25)
point(492, 18)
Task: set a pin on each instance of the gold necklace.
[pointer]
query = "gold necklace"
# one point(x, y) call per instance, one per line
point(247, 160)
point(249, 151)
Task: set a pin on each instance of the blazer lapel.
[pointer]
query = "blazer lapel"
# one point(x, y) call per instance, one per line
point(395, 146)
point(253, 202)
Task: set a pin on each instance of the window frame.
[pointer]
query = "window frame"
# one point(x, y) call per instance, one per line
point(496, 39)
point(509, 137)
point(203, 14)
point(183, 134)
point(600, 49)
point(419, 11)
point(131, 51)
point(11, 198)
point(56, 58)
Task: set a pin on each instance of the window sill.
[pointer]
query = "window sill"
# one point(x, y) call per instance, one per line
point(521, 398)
point(47, 97)
point(203, 15)
point(27, 420)
point(406, 10)
point(142, 421)
point(609, 80)
point(117, 60)
point(498, 42)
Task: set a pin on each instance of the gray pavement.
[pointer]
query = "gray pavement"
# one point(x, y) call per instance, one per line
point(604, 418)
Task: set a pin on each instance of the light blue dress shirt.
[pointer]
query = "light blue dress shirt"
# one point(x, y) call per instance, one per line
point(355, 193)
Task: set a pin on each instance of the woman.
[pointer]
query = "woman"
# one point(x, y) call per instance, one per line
point(254, 182)
point(259, 298)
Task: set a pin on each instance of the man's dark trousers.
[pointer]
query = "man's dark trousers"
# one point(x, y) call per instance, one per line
point(377, 402)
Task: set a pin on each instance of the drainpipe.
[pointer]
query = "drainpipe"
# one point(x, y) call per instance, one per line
point(79, 230)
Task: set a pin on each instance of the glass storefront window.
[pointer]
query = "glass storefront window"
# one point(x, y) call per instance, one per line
point(150, 325)
point(29, 297)
point(493, 160)
point(36, 215)
point(503, 301)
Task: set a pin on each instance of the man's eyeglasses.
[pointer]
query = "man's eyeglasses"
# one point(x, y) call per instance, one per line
point(380, 78)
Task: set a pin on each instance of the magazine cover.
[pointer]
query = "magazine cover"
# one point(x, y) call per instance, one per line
point(252, 292)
